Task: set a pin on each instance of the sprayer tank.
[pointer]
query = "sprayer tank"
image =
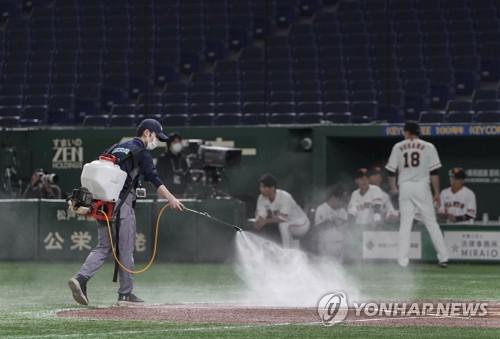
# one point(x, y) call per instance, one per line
point(104, 179)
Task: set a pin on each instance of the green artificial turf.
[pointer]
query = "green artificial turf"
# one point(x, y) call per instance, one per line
point(31, 294)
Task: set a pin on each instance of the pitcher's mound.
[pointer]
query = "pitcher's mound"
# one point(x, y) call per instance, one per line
point(237, 314)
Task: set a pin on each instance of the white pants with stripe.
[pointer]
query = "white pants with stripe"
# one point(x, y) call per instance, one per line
point(416, 197)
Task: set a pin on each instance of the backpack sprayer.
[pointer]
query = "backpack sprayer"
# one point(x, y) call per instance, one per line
point(102, 181)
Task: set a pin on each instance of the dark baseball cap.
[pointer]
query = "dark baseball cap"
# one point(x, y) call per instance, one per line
point(413, 127)
point(458, 173)
point(153, 126)
point(361, 172)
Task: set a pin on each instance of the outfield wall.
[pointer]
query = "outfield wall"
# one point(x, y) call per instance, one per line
point(42, 230)
point(34, 229)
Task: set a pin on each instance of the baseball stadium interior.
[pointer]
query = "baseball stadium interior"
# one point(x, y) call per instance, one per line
point(276, 158)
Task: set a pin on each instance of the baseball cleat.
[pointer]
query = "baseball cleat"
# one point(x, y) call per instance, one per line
point(78, 286)
point(443, 264)
point(129, 299)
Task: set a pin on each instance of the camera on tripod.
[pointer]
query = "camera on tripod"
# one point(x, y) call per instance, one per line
point(205, 166)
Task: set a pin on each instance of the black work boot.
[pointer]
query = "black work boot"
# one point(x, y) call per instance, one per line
point(78, 286)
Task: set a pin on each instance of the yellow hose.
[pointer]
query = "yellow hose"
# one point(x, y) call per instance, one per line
point(151, 260)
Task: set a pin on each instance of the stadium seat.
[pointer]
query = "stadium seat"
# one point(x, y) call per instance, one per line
point(488, 116)
point(200, 98)
point(308, 7)
point(175, 120)
point(460, 116)
point(254, 119)
point(225, 119)
point(202, 109)
point(11, 110)
point(389, 113)
point(285, 16)
point(309, 107)
point(35, 112)
point(281, 108)
point(149, 98)
point(465, 82)
point(338, 118)
point(336, 107)
point(309, 118)
point(61, 110)
point(96, 121)
point(282, 118)
point(175, 98)
point(112, 96)
point(281, 96)
point(11, 100)
point(490, 69)
point(417, 86)
point(204, 119)
point(238, 38)
point(12, 90)
point(335, 96)
point(175, 109)
point(215, 50)
point(440, 94)
point(125, 110)
point(149, 109)
point(431, 117)
point(363, 111)
point(485, 94)
point(10, 121)
point(459, 105)
point(30, 122)
point(486, 105)
point(122, 120)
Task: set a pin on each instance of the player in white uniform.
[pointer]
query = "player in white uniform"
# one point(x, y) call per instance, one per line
point(375, 178)
point(366, 207)
point(330, 220)
point(275, 206)
point(458, 203)
point(416, 162)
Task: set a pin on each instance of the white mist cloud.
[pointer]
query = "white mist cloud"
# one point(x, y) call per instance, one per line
point(275, 276)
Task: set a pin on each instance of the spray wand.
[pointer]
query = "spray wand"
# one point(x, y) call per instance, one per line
point(206, 215)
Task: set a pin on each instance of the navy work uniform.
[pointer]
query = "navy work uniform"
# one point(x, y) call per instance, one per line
point(127, 228)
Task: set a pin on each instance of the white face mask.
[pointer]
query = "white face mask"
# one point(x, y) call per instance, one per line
point(152, 143)
point(176, 148)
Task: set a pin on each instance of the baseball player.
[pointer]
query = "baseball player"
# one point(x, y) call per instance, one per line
point(330, 220)
point(132, 155)
point(366, 207)
point(375, 178)
point(458, 203)
point(416, 162)
point(276, 206)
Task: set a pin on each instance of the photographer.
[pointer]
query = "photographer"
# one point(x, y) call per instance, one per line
point(172, 166)
point(42, 186)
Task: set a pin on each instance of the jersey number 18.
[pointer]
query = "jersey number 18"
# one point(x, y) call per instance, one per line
point(411, 159)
